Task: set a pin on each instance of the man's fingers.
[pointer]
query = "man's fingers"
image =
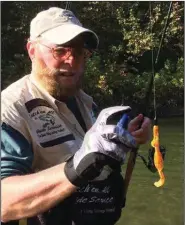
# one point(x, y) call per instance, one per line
point(146, 123)
point(137, 119)
point(143, 134)
point(137, 133)
point(135, 123)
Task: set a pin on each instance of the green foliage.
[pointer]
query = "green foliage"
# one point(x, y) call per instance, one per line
point(120, 72)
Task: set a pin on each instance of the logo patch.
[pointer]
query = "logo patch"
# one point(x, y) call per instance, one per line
point(47, 118)
point(46, 125)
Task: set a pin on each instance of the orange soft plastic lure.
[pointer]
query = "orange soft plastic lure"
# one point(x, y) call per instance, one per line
point(158, 159)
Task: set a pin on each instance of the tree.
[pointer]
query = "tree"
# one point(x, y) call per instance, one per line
point(121, 69)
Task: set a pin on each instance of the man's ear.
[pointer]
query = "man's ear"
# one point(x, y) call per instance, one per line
point(31, 49)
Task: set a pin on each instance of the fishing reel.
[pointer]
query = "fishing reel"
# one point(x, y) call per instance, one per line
point(150, 163)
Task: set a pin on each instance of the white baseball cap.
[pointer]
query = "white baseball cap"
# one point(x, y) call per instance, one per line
point(59, 26)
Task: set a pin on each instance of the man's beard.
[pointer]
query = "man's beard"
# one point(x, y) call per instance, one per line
point(48, 79)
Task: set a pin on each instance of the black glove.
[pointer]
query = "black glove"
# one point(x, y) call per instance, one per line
point(104, 148)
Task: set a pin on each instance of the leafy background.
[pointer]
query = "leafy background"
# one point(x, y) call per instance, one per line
point(120, 71)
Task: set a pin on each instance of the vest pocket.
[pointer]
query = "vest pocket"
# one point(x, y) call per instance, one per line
point(99, 203)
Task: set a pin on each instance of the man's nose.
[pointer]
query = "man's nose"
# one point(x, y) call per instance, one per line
point(70, 59)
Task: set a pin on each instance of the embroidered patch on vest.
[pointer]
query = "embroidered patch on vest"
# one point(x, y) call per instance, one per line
point(35, 103)
point(46, 126)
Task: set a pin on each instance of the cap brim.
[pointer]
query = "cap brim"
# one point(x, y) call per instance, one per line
point(63, 34)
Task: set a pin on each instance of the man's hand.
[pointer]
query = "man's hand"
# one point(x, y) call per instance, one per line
point(140, 129)
point(103, 150)
point(105, 146)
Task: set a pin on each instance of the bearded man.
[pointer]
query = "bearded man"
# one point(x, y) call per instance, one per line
point(58, 165)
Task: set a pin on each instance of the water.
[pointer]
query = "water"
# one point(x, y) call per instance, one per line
point(148, 205)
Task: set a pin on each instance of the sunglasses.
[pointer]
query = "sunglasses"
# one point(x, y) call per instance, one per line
point(63, 53)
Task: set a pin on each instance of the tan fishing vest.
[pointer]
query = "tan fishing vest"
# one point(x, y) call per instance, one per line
point(46, 123)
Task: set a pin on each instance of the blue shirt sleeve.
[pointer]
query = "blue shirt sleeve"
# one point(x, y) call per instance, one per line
point(16, 152)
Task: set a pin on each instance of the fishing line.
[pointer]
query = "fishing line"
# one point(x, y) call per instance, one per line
point(152, 62)
point(68, 4)
point(161, 150)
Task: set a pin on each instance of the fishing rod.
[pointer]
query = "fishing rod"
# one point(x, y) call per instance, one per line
point(154, 63)
point(155, 141)
point(68, 5)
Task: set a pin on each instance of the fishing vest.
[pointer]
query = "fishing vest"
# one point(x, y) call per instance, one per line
point(55, 134)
